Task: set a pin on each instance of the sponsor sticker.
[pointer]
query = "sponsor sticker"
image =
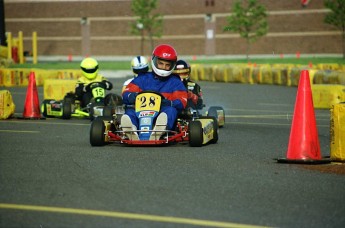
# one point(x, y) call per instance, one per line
point(146, 114)
point(145, 121)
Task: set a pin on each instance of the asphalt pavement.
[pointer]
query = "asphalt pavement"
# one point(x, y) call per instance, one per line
point(50, 176)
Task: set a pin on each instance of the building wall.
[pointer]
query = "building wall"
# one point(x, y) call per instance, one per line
point(58, 25)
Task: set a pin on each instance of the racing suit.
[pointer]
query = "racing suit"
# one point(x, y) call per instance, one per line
point(195, 99)
point(170, 87)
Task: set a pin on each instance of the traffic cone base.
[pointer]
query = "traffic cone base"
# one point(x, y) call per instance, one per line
point(304, 146)
point(304, 161)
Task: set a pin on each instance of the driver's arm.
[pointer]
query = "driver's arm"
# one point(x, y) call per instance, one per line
point(108, 84)
point(79, 90)
point(130, 92)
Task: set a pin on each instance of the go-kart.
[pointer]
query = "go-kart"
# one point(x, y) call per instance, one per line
point(215, 111)
point(101, 104)
point(195, 130)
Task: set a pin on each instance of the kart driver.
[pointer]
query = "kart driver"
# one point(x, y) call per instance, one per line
point(160, 80)
point(139, 64)
point(89, 67)
point(195, 99)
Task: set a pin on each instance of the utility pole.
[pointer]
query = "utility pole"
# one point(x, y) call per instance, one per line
point(2, 24)
point(210, 30)
point(85, 37)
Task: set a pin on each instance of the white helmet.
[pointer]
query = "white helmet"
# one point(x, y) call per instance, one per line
point(139, 64)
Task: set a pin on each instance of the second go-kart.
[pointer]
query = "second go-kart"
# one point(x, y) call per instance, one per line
point(101, 104)
point(193, 110)
point(196, 131)
point(219, 113)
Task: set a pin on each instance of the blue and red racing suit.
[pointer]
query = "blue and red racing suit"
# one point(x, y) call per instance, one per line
point(170, 87)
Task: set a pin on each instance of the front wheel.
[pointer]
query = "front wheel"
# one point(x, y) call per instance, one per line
point(44, 109)
point(195, 134)
point(108, 111)
point(97, 132)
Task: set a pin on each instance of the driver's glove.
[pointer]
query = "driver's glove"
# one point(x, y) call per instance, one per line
point(193, 97)
point(108, 85)
point(166, 102)
point(131, 97)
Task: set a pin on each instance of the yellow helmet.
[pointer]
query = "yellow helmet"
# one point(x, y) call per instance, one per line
point(89, 67)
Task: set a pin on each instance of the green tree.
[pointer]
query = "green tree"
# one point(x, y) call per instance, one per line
point(336, 17)
point(147, 24)
point(249, 19)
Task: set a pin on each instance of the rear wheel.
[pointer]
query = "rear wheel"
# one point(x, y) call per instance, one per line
point(66, 110)
point(195, 134)
point(97, 131)
point(215, 127)
point(219, 113)
point(215, 130)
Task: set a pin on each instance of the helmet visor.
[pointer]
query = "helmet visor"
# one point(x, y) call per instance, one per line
point(89, 71)
point(163, 64)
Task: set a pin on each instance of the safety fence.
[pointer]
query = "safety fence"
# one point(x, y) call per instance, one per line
point(279, 74)
point(20, 77)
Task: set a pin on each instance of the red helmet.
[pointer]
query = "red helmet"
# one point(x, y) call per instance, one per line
point(167, 53)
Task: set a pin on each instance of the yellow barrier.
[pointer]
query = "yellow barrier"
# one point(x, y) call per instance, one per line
point(266, 74)
point(19, 77)
point(337, 134)
point(324, 96)
point(220, 74)
point(7, 107)
point(206, 73)
point(3, 51)
point(57, 88)
point(278, 74)
point(328, 66)
point(194, 72)
point(234, 73)
point(247, 72)
point(293, 76)
point(15, 77)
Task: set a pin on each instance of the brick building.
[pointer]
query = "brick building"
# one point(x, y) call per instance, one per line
point(193, 27)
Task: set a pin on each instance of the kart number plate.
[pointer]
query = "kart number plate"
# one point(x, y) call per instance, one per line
point(148, 101)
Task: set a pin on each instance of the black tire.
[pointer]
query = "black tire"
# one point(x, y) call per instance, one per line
point(213, 111)
point(91, 111)
point(97, 131)
point(112, 99)
point(108, 111)
point(69, 97)
point(44, 107)
point(195, 134)
point(66, 110)
point(215, 127)
point(215, 130)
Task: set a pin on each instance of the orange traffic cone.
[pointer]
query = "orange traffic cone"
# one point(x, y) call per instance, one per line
point(304, 146)
point(31, 106)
